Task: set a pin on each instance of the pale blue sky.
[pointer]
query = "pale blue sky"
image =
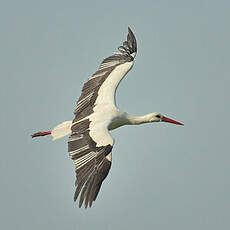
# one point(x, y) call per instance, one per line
point(163, 176)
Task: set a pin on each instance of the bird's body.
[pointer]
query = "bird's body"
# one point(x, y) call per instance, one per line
point(90, 144)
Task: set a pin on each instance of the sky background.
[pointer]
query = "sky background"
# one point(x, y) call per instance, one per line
point(163, 176)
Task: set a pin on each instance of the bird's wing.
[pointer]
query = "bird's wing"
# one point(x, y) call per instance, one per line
point(92, 162)
point(101, 87)
point(90, 143)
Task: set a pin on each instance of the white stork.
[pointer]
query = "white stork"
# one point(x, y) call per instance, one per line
point(90, 143)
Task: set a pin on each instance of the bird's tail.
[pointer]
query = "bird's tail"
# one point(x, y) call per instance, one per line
point(59, 131)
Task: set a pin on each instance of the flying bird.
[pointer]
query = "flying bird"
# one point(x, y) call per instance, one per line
point(90, 143)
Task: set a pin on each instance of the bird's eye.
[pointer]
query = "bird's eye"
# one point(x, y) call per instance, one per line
point(158, 116)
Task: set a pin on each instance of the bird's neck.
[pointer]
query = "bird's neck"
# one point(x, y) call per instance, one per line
point(137, 120)
point(127, 119)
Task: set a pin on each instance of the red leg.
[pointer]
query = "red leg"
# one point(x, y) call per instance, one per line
point(38, 134)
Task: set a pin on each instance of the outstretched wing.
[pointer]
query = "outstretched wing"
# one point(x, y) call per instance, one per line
point(90, 143)
point(92, 163)
point(101, 86)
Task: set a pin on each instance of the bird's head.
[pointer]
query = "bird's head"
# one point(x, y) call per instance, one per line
point(157, 117)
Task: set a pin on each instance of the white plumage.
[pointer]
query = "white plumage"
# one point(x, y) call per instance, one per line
point(61, 130)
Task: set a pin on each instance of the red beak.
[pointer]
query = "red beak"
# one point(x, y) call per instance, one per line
point(166, 119)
